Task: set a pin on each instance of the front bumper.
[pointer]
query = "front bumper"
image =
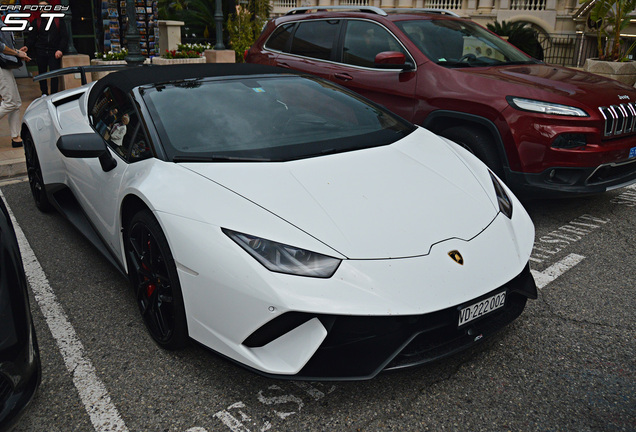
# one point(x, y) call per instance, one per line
point(564, 181)
point(360, 347)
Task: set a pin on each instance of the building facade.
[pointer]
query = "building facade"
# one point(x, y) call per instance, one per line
point(561, 26)
point(550, 15)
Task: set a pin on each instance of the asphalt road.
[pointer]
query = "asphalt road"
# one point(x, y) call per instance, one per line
point(567, 364)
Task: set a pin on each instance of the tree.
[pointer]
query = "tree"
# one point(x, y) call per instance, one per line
point(199, 17)
point(169, 9)
point(610, 18)
point(519, 35)
point(245, 25)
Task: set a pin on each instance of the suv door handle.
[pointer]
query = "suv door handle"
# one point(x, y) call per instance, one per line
point(284, 65)
point(343, 76)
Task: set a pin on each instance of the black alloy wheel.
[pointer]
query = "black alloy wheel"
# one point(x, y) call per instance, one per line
point(34, 173)
point(153, 273)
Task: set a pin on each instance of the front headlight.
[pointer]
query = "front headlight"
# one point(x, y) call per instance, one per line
point(505, 203)
point(283, 258)
point(544, 107)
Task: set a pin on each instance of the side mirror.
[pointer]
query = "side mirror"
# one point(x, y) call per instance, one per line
point(392, 60)
point(86, 145)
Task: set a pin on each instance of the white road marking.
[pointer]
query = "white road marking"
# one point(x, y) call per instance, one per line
point(555, 270)
point(311, 390)
point(279, 400)
point(229, 420)
point(102, 412)
point(546, 246)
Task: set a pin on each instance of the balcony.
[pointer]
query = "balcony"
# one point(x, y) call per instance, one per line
point(527, 5)
point(443, 4)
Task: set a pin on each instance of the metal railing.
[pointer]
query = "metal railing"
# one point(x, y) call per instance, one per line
point(443, 4)
point(533, 5)
point(354, 2)
point(285, 3)
point(571, 49)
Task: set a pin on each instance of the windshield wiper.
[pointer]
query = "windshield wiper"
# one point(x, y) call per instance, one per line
point(516, 63)
point(218, 158)
point(461, 64)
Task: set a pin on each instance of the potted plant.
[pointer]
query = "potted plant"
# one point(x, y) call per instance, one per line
point(109, 58)
point(610, 18)
point(185, 53)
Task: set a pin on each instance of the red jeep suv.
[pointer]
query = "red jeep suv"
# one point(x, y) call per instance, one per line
point(546, 130)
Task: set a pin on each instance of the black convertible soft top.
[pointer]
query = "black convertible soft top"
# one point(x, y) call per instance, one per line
point(129, 78)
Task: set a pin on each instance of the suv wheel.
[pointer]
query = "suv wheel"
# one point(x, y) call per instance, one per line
point(479, 143)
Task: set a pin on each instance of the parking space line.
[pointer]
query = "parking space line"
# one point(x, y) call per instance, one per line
point(555, 270)
point(102, 412)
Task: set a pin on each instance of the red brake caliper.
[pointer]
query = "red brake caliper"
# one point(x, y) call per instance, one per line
point(151, 287)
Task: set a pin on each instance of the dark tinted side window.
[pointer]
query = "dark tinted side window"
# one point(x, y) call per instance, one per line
point(115, 119)
point(278, 40)
point(315, 38)
point(364, 40)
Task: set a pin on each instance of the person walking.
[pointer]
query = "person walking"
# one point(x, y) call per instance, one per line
point(10, 106)
point(48, 45)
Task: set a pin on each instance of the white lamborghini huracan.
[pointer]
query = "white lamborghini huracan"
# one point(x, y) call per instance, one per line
point(281, 220)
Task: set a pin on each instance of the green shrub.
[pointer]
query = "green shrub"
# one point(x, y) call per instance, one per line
point(245, 25)
point(524, 38)
point(112, 55)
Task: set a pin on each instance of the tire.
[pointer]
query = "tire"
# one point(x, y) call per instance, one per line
point(34, 172)
point(155, 282)
point(479, 143)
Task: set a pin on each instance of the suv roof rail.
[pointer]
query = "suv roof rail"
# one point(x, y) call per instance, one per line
point(423, 10)
point(371, 9)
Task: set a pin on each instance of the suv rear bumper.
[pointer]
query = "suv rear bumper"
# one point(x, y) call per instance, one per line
point(569, 181)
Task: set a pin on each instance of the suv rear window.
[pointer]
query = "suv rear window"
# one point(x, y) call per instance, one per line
point(278, 40)
point(315, 39)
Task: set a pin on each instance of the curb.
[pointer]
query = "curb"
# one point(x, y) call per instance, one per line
point(12, 168)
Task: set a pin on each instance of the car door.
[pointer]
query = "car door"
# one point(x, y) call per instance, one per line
point(98, 191)
point(361, 41)
point(311, 47)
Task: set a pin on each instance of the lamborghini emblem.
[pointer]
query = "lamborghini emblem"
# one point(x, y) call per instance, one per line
point(456, 256)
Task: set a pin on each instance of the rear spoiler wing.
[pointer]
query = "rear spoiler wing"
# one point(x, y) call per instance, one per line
point(81, 70)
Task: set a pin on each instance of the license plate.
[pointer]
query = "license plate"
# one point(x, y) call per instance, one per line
point(632, 152)
point(481, 308)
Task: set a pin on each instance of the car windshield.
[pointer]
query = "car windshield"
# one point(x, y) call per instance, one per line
point(265, 118)
point(455, 43)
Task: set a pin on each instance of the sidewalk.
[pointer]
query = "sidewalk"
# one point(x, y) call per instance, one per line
point(12, 159)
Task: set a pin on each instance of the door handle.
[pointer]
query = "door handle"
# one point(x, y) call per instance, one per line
point(283, 65)
point(343, 76)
